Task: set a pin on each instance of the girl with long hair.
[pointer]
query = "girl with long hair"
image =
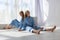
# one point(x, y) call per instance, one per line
point(30, 23)
point(16, 23)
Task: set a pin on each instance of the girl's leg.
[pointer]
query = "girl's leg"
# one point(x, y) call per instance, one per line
point(51, 29)
point(36, 31)
point(7, 27)
point(37, 28)
point(13, 23)
point(30, 29)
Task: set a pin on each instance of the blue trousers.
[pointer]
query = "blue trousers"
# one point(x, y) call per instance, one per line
point(15, 23)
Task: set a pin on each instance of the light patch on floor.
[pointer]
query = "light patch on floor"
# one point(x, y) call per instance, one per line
point(14, 34)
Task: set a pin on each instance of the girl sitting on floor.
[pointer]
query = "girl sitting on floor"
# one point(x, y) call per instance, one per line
point(30, 24)
point(16, 23)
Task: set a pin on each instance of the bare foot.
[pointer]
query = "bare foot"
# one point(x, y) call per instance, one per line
point(7, 28)
point(38, 31)
point(53, 28)
point(41, 29)
point(20, 30)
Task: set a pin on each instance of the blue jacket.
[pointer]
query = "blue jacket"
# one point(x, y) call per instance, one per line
point(29, 21)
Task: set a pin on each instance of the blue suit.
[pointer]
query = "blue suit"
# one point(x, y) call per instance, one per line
point(18, 24)
point(29, 21)
point(30, 25)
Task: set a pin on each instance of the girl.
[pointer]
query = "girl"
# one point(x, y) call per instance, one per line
point(30, 22)
point(16, 23)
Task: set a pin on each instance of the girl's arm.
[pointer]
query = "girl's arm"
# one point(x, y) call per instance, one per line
point(29, 22)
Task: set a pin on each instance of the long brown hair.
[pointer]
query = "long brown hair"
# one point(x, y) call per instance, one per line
point(26, 13)
point(22, 14)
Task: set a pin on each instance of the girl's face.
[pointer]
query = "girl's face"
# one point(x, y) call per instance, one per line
point(21, 14)
point(28, 14)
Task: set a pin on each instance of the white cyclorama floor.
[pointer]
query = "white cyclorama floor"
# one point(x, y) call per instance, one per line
point(13, 34)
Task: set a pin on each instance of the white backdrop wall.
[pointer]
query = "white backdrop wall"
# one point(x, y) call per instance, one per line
point(54, 13)
point(9, 9)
